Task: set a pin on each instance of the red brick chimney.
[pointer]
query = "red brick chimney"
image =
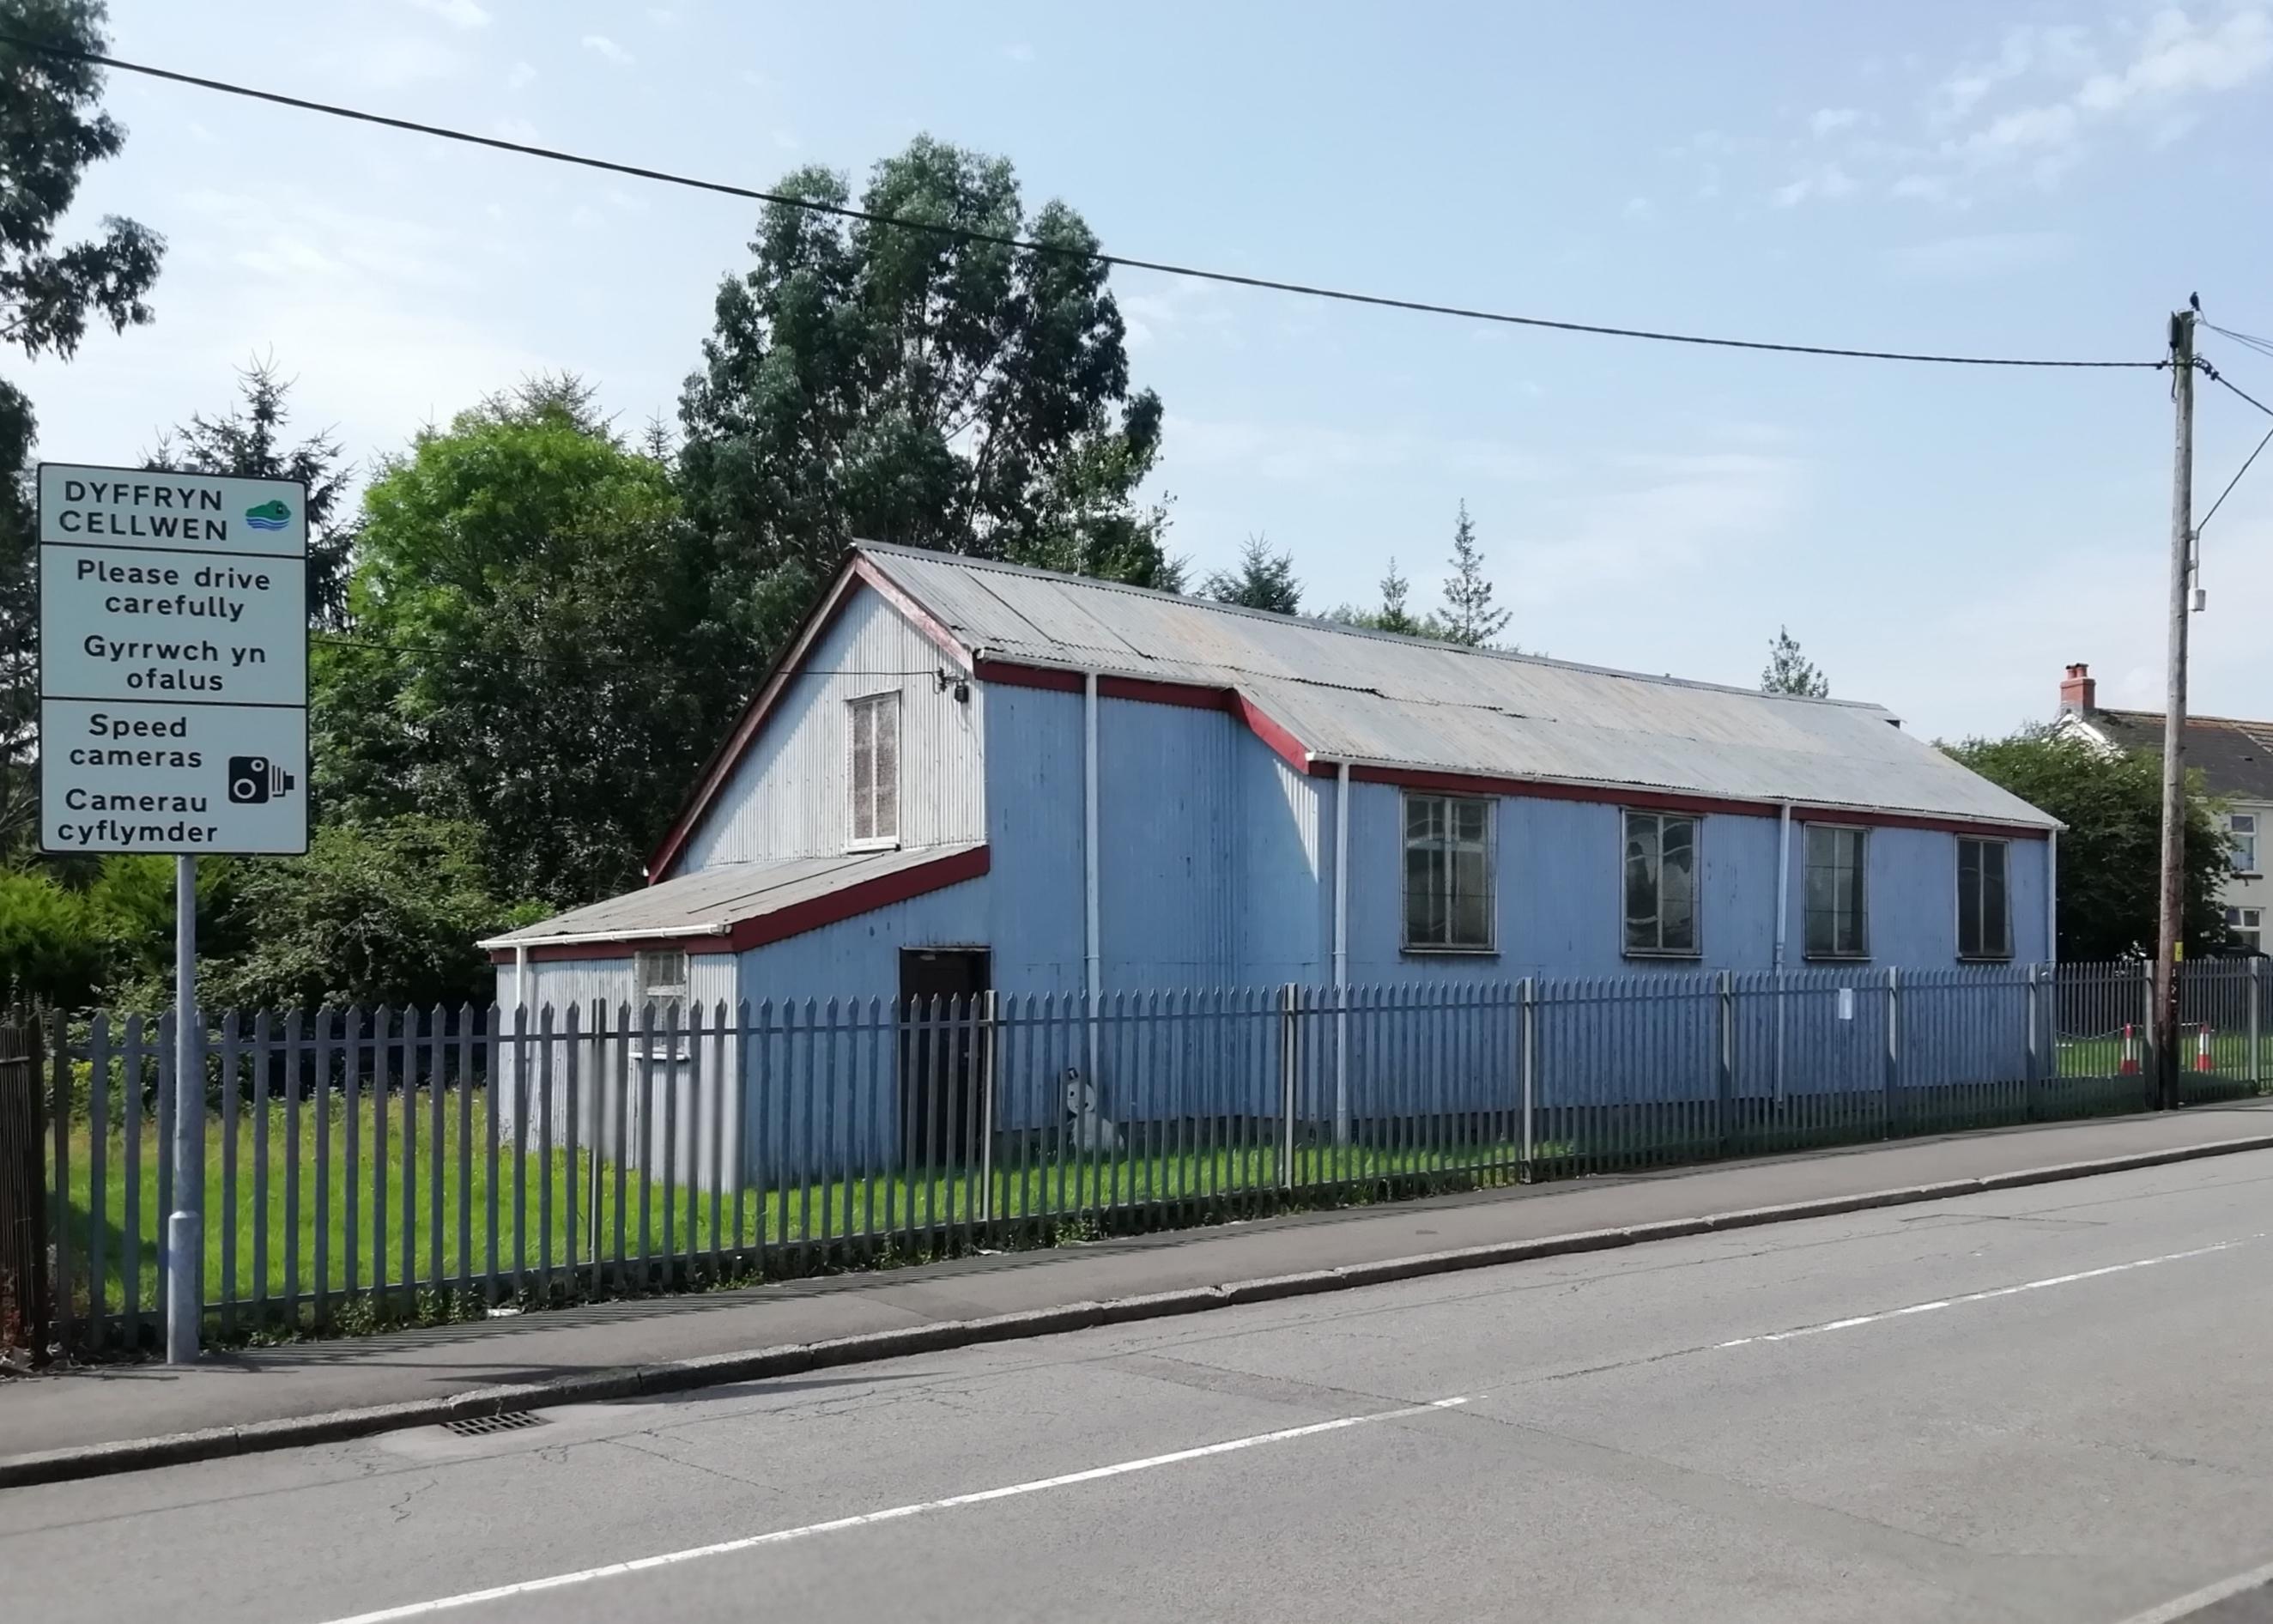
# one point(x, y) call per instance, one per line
point(2079, 694)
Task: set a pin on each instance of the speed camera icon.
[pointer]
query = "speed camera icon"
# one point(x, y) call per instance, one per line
point(255, 781)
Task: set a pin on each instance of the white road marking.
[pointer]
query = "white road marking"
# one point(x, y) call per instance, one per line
point(2166, 1613)
point(669, 1559)
point(1983, 1297)
point(2209, 1596)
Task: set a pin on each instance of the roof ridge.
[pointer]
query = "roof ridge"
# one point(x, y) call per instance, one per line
point(2156, 717)
point(1318, 623)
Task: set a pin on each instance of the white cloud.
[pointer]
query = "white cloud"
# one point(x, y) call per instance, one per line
point(1019, 53)
point(2035, 110)
point(1660, 515)
point(2038, 105)
point(1822, 180)
point(457, 13)
point(521, 75)
point(607, 47)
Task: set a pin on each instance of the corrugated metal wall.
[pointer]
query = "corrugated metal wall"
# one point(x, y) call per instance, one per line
point(1285, 909)
point(1170, 818)
point(581, 982)
point(1034, 826)
point(790, 796)
point(649, 1094)
point(1561, 905)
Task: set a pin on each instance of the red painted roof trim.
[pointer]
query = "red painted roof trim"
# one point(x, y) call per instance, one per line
point(1145, 691)
point(1270, 732)
point(921, 618)
point(720, 767)
point(795, 920)
point(1657, 800)
point(1194, 696)
point(568, 951)
point(1011, 675)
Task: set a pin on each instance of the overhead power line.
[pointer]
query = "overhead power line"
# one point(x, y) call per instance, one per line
point(2217, 376)
point(2230, 483)
point(974, 234)
point(2263, 347)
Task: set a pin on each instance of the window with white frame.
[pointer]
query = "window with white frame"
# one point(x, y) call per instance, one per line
point(876, 770)
point(1448, 874)
point(660, 1009)
point(2247, 925)
point(1836, 925)
point(1985, 922)
point(1660, 885)
point(2242, 828)
point(662, 983)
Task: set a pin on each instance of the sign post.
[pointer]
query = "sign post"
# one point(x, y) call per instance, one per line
point(174, 718)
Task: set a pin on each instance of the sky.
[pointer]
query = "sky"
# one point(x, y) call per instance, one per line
point(1981, 178)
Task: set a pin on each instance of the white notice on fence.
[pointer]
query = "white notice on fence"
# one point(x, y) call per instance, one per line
point(173, 662)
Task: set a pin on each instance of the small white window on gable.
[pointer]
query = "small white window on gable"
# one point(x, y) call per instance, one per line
point(876, 770)
point(2243, 828)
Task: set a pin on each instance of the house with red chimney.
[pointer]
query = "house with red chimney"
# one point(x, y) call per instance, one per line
point(2235, 759)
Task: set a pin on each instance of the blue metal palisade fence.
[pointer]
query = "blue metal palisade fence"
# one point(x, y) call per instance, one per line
point(368, 1166)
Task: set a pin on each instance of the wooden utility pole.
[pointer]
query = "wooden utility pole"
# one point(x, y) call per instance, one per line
point(2173, 889)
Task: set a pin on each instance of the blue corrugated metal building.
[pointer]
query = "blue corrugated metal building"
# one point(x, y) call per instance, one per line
point(967, 775)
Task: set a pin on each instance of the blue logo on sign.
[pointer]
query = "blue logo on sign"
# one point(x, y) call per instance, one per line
point(268, 516)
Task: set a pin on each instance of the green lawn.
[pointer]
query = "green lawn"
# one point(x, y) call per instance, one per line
point(305, 1244)
point(2103, 1056)
point(431, 1245)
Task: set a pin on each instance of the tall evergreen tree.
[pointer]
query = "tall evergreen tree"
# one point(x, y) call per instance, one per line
point(1395, 613)
point(1263, 580)
point(51, 131)
point(892, 383)
point(249, 444)
point(1790, 671)
point(1469, 617)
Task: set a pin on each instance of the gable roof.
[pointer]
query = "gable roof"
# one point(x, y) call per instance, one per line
point(1323, 693)
point(2235, 757)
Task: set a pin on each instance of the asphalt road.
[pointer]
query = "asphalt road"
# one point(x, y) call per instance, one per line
point(2053, 1403)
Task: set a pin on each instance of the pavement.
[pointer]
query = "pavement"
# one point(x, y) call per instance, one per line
point(2046, 1402)
point(120, 1417)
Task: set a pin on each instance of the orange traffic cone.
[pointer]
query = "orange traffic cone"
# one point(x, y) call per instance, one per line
point(2130, 1066)
point(2203, 1061)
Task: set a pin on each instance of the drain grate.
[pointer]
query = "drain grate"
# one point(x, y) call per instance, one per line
point(504, 1421)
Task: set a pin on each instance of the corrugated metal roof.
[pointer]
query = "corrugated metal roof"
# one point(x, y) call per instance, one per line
point(1375, 698)
point(710, 901)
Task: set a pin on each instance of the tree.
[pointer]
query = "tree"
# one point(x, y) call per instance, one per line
point(49, 133)
point(71, 936)
point(386, 914)
point(1469, 618)
point(538, 651)
point(249, 444)
point(897, 384)
point(1263, 580)
point(1392, 616)
point(1790, 671)
point(2111, 851)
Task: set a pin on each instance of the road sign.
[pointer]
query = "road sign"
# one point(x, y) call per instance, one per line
point(173, 662)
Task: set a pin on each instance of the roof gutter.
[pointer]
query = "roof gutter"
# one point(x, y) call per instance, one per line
point(577, 939)
point(1766, 805)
